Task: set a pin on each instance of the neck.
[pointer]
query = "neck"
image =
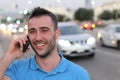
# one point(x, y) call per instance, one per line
point(48, 63)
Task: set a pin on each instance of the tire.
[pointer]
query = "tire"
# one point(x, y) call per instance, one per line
point(102, 43)
point(91, 55)
point(118, 45)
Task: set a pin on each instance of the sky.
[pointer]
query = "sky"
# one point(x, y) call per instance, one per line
point(20, 5)
point(10, 5)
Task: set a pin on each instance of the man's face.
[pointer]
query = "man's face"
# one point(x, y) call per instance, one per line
point(42, 35)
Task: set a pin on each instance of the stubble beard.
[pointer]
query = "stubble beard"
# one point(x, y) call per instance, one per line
point(49, 49)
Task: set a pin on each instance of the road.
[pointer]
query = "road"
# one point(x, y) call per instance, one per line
point(4, 42)
point(104, 66)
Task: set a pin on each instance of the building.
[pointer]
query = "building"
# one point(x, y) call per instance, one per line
point(115, 5)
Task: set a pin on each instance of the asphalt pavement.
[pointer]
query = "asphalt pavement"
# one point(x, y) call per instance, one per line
point(4, 42)
point(1, 50)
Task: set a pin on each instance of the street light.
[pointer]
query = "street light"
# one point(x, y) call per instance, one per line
point(25, 12)
point(58, 1)
point(92, 2)
point(29, 2)
point(9, 19)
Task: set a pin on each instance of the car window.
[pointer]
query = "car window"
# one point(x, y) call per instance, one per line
point(118, 29)
point(67, 30)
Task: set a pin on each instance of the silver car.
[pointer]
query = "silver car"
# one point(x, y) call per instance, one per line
point(74, 41)
point(110, 36)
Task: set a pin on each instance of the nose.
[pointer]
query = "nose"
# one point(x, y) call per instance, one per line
point(38, 36)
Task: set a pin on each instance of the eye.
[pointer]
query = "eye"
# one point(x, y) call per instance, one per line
point(45, 29)
point(31, 31)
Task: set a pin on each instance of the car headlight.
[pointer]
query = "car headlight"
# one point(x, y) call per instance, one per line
point(14, 30)
point(21, 30)
point(99, 35)
point(91, 41)
point(65, 43)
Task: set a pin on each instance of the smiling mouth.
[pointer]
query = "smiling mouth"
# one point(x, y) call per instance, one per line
point(39, 45)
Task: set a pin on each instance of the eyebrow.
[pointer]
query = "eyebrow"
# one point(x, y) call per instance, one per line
point(31, 29)
point(40, 28)
point(44, 28)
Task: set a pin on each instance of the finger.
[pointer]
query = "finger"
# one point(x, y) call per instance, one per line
point(24, 40)
point(28, 49)
point(20, 42)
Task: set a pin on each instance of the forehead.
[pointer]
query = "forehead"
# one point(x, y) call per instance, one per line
point(40, 21)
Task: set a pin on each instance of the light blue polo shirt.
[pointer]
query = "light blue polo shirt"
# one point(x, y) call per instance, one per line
point(29, 70)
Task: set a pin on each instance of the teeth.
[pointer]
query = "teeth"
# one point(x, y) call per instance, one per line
point(40, 44)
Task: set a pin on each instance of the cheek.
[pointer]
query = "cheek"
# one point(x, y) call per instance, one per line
point(31, 37)
point(48, 35)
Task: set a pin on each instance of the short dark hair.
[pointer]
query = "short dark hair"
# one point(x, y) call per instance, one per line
point(40, 12)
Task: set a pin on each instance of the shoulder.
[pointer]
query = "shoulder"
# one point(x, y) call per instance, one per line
point(73, 65)
point(18, 68)
point(76, 67)
point(78, 71)
point(21, 63)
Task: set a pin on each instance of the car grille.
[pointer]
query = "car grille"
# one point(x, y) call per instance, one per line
point(79, 41)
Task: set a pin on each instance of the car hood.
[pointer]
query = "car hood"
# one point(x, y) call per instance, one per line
point(83, 36)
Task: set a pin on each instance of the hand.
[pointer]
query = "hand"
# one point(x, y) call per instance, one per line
point(14, 50)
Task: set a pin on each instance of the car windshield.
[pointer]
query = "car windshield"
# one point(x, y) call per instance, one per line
point(69, 30)
point(118, 29)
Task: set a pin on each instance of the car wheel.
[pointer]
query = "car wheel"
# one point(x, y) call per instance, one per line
point(118, 45)
point(91, 55)
point(101, 42)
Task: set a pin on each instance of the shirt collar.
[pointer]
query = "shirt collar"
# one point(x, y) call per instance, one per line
point(33, 63)
point(62, 66)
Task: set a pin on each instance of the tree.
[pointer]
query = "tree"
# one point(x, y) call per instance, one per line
point(61, 18)
point(106, 15)
point(83, 14)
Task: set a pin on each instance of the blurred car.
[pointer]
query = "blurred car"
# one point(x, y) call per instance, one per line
point(16, 30)
point(74, 41)
point(19, 29)
point(88, 26)
point(110, 36)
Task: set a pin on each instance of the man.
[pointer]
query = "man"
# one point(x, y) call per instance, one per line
point(47, 63)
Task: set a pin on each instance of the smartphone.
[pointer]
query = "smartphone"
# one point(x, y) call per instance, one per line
point(25, 46)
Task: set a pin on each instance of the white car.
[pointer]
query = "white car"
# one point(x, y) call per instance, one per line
point(18, 29)
point(110, 36)
point(74, 41)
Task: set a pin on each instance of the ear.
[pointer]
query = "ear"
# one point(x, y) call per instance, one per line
point(57, 33)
